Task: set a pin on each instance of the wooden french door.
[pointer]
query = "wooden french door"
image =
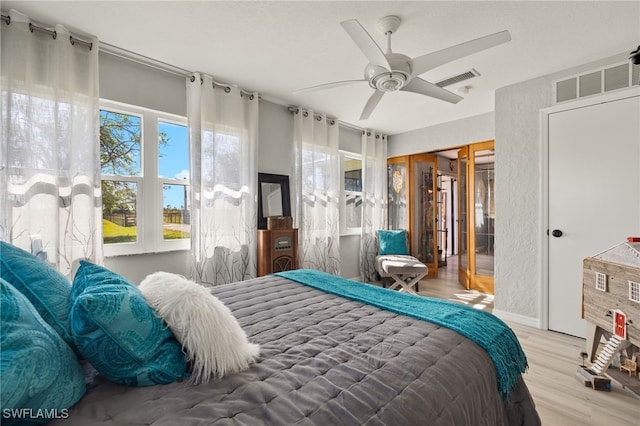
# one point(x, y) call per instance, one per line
point(476, 220)
point(413, 204)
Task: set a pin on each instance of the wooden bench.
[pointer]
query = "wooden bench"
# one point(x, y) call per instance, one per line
point(406, 271)
point(630, 365)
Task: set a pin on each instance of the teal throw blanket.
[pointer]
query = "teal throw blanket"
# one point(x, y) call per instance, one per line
point(487, 330)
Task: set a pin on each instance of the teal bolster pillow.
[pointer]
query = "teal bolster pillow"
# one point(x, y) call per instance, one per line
point(47, 289)
point(119, 333)
point(393, 242)
point(40, 375)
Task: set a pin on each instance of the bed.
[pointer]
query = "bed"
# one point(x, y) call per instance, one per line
point(325, 359)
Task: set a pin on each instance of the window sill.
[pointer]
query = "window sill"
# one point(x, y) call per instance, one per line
point(351, 232)
point(117, 250)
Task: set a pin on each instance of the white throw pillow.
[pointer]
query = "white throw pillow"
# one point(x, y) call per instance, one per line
point(214, 342)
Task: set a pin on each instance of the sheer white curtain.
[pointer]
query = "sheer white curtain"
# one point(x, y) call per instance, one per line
point(374, 199)
point(50, 150)
point(316, 189)
point(223, 138)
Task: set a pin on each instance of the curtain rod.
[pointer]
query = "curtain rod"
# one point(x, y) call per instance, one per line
point(227, 87)
point(131, 56)
point(142, 60)
point(162, 66)
point(53, 33)
point(295, 110)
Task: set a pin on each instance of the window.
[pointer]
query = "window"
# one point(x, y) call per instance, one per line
point(634, 291)
point(601, 281)
point(351, 211)
point(173, 174)
point(144, 156)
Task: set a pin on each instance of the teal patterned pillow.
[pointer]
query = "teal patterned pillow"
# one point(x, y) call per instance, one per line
point(38, 370)
point(393, 242)
point(47, 289)
point(119, 333)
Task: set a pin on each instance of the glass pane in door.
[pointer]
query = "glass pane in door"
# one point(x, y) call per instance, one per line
point(397, 182)
point(442, 220)
point(424, 245)
point(484, 212)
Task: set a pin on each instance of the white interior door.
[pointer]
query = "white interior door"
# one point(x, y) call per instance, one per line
point(594, 197)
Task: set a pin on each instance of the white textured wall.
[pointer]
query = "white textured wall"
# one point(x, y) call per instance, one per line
point(468, 130)
point(275, 144)
point(520, 196)
point(350, 256)
point(132, 83)
point(136, 267)
point(517, 196)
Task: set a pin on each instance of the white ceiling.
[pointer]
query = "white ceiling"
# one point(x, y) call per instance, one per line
point(277, 47)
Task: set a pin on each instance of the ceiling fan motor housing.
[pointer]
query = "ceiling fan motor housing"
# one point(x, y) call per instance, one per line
point(386, 80)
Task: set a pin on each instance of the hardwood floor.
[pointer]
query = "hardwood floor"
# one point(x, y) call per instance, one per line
point(553, 359)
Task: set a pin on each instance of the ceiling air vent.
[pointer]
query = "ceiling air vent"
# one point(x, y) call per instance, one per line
point(458, 78)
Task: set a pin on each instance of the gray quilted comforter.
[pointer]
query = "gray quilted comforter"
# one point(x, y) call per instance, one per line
point(326, 361)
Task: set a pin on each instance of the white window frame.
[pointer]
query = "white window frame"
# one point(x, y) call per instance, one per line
point(601, 281)
point(634, 291)
point(149, 196)
point(344, 230)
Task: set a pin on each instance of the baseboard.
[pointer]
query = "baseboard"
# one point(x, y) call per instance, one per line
point(517, 318)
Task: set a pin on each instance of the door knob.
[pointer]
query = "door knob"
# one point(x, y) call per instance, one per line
point(556, 233)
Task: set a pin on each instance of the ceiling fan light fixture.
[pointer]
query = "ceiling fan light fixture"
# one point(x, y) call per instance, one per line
point(389, 81)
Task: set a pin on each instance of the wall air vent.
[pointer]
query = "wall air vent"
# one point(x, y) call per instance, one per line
point(458, 78)
point(595, 82)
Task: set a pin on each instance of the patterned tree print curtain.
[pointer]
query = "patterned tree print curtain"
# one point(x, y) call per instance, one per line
point(223, 137)
point(49, 149)
point(316, 189)
point(374, 199)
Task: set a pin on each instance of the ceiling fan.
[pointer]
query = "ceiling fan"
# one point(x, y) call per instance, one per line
point(390, 72)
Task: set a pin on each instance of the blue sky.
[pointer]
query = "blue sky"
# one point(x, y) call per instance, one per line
point(174, 161)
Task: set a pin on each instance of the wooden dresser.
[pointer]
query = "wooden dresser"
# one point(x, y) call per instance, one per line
point(277, 250)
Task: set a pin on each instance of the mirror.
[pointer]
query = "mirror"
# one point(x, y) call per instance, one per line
point(273, 197)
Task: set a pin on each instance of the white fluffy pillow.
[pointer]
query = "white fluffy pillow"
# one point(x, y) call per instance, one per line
point(211, 336)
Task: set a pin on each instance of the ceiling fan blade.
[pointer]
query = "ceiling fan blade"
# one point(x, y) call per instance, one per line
point(367, 45)
point(423, 87)
point(327, 86)
point(429, 61)
point(371, 104)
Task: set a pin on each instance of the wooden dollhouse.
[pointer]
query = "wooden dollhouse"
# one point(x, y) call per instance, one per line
point(611, 305)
